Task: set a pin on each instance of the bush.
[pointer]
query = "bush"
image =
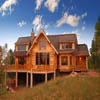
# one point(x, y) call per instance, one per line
point(3, 91)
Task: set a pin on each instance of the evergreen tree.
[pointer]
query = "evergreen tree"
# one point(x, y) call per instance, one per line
point(95, 50)
point(0, 55)
point(9, 59)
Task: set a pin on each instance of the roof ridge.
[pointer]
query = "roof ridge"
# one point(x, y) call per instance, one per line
point(25, 37)
point(81, 44)
point(61, 34)
point(50, 35)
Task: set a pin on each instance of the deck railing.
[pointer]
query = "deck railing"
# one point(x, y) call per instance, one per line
point(28, 67)
point(73, 68)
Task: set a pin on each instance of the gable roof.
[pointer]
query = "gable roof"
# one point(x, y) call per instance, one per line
point(42, 32)
point(23, 40)
point(54, 41)
point(82, 49)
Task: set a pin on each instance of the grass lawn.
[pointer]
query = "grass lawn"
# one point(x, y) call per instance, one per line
point(63, 88)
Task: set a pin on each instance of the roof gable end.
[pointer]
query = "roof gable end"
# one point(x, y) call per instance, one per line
point(42, 32)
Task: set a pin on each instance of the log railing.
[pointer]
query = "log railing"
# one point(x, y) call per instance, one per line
point(28, 67)
point(43, 68)
point(74, 68)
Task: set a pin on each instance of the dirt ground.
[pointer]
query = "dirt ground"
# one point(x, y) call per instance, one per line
point(89, 73)
point(93, 73)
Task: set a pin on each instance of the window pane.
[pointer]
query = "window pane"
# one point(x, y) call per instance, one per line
point(21, 47)
point(37, 58)
point(66, 45)
point(42, 58)
point(64, 60)
point(81, 60)
point(70, 60)
point(21, 60)
point(42, 45)
point(63, 46)
point(47, 58)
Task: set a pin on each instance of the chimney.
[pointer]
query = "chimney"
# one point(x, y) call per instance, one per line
point(32, 35)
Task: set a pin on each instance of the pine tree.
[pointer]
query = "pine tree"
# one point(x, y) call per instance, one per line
point(95, 50)
point(0, 55)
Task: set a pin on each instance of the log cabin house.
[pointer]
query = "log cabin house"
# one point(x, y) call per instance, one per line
point(44, 54)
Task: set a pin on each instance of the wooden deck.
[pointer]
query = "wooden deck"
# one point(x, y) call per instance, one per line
point(73, 68)
point(43, 68)
point(29, 68)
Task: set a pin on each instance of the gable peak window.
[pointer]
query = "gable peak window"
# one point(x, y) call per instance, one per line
point(42, 45)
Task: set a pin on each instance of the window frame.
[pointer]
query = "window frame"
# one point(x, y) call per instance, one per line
point(81, 60)
point(71, 60)
point(42, 43)
point(66, 45)
point(21, 47)
point(66, 60)
point(42, 56)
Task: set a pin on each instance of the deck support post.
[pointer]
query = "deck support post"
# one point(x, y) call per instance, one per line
point(26, 79)
point(46, 77)
point(5, 78)
point(31, 83)
point(16, 79)
point(54, 75)
point(68, 60)
point(87, 62)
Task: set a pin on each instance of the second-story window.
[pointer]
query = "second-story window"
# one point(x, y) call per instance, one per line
point(21, 47)
point(66, 45)
point(42, 45)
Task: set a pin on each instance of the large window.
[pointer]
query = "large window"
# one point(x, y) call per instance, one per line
point(42, 58)
point(81, 60)
point(64, 60)
point(22, 60)
point(42, 45)
point(21, 47)
point(70, 60)
point(66, 45)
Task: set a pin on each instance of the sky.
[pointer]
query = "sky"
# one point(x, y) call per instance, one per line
point(18, 17)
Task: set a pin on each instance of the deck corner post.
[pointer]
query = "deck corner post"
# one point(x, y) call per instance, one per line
point(54, 75)
point(5, 78)
point(87, 63)
point(26, 79)
point(16, 79)
point(31, 80)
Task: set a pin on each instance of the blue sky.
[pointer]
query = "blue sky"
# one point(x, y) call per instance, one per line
point(17, 17)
